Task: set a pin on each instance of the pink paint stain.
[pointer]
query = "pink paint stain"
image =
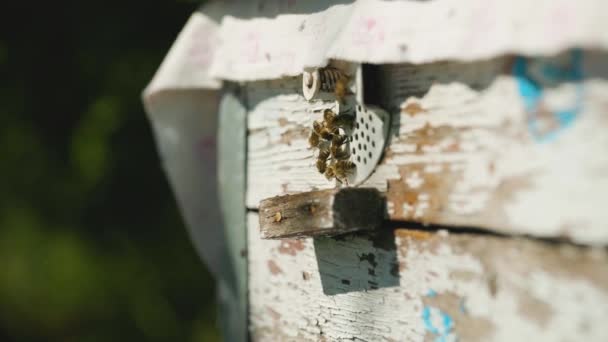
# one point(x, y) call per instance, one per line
point(201, 46)
point(371, 31)
point(200, 55)
point(370, 23)
point(252, 47)
point(562, 17)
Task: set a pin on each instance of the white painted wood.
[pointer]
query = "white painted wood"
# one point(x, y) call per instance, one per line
point(463, 150)
point(418, 286)
point(462, 154)
point(268, 39)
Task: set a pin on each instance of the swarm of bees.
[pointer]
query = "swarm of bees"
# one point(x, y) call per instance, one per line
point(329, 137)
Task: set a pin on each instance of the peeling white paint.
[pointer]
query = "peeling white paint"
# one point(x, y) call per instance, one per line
point(310, 299)
point(465, 125)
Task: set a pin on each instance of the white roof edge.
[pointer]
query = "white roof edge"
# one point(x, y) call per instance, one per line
point(262, 45)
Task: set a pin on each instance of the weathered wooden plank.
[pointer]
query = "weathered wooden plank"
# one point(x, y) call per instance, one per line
point(515, 145)
point(323, 212)
point(402, 285)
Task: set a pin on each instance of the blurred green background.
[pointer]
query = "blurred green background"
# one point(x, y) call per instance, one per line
point(92, 247)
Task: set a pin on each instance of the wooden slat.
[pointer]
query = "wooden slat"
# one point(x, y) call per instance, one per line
point(465, 149)
point(324, 212)
point(403, 285)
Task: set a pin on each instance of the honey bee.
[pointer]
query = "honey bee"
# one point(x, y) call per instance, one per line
point(321, 166)
point(339, 170)
point(338, 140)
point(322, 161)
point(328, 117)
point(332, 161)
point(313, 139)
point(341, 88)
point(334, 79)
point(342, 169)
point(329, 172)
point(323, 155)
point(337, 152)
point(333, 121)
point(324, 132)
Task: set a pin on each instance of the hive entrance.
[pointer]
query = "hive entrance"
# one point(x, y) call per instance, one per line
point(366, 141)
point(349, 142)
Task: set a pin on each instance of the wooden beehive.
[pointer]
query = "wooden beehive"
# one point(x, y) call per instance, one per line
point(493, 179)
point(465, 152)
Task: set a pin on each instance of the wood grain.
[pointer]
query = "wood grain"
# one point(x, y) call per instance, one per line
point(324, 212)
point(406, 285)
point(465, 151)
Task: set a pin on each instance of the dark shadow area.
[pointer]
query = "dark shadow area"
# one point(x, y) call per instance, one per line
point(92, 247)
point(258, 91)
point(392, 225)
point(373, 85)
point(273, 8)
point(269, 9)
point(357, 262)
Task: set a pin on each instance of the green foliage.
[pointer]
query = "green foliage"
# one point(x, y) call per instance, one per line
point(91, 244)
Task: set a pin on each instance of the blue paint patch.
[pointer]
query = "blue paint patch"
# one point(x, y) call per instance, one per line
point(545, 127)
point(462, 307)
point(426, 317)
point(447, 323)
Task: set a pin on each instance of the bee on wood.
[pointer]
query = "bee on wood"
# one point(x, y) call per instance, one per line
point(325, 133)
point(313, 139)
point(278, 217)
point(322, 161)
point(321, 166)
